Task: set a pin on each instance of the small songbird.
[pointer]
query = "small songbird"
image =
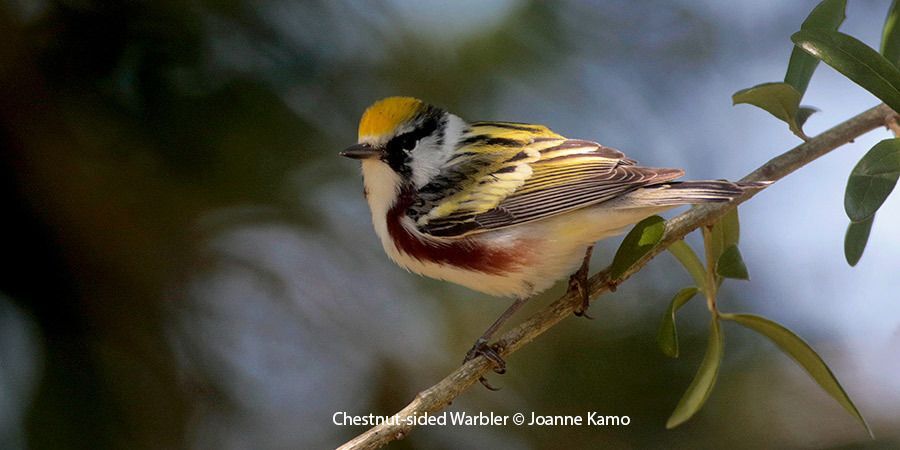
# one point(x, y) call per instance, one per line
point(503, 208)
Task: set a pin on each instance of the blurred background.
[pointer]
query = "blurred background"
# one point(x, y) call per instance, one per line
point(187, 262)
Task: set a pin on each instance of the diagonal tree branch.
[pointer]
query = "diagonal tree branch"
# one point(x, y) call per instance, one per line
point(441, 394)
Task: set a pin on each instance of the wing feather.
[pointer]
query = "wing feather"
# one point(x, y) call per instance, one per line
point(510, 173)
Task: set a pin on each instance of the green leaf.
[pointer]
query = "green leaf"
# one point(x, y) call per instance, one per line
point(872, 180)
point(803, 354)
point(782, 100)
point(667, 337)
point(855, 60)
point(856, 238)
point(731, 228)
point(827, 15)
point(724, 234)
point(686, 256)
point(890, 37)
point(779, 99)
point(704, 380)
point(803, 114)
point(640, 240)
point(731, 264)
point(717, 241)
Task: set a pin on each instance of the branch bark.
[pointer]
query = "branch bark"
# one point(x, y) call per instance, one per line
point(441, 394)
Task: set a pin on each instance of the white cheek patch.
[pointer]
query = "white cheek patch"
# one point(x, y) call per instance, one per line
point(429, 157)
point(426, 161)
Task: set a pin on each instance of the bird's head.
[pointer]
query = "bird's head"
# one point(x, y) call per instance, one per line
point(412, 138)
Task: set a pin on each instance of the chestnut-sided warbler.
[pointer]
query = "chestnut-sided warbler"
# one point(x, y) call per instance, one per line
point(503, 208)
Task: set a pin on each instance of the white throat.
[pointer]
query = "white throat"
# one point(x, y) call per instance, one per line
point(382, 190)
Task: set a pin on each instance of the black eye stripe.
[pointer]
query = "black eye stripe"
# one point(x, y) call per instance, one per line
point(407, 141)
point(397, 150)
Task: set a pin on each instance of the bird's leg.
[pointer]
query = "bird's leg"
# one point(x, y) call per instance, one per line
point(481, 346)
point(578, 282)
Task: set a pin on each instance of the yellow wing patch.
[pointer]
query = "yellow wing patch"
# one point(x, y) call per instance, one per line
point(494, 161)
point(486, 188)
point(383, 117)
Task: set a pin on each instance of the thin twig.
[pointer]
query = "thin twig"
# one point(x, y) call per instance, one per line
point(441, 394)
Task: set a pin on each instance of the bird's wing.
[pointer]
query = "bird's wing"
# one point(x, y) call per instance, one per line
point(492, 161)
point(525, 176)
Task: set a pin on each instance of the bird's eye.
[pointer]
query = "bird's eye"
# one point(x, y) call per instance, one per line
point(407, 141)
point(404, 142)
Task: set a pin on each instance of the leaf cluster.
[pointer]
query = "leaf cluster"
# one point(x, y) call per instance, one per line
point(876, 174)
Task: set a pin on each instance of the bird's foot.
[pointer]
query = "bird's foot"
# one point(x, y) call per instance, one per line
point(578, 283)
point(490, 352)
point(612, 285)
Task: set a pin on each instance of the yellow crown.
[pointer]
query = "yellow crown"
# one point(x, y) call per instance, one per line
point(385, 115)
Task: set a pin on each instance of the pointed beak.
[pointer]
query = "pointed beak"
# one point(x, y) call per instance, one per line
point(360, 151)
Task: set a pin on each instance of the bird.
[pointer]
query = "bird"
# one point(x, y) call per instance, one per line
point(504, 208)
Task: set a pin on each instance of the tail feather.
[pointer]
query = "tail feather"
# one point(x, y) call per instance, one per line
point(691, 192)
